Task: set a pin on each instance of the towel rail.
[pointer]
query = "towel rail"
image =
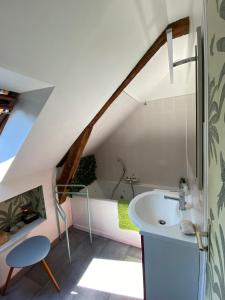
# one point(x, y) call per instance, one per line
point(199, 236)
point(61, 213)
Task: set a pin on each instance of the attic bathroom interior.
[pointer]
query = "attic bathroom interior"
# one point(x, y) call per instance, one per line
point(112, 152)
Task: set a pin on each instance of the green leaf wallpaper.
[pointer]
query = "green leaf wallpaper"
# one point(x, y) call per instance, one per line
point(215, 289)
point(10, 210)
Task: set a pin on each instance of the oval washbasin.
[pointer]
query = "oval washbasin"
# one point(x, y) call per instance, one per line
point(151, 208)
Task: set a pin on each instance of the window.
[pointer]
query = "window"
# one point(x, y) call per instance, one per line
point(7, 103)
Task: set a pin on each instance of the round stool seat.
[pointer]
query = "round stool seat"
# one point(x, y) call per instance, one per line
point(29, 252)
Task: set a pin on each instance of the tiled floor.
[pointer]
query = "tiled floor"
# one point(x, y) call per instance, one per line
point(105, 270)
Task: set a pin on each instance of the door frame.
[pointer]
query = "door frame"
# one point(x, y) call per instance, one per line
point(203, 255)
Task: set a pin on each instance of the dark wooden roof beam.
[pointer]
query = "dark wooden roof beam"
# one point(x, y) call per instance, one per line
point(71, 159)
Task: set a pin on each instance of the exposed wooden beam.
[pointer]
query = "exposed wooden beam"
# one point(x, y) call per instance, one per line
point(63, 160)
point(71, 159)
point(179, 28)
point(72, 162)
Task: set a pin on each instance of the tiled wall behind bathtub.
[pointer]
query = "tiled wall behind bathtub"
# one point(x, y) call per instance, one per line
point(156, 143)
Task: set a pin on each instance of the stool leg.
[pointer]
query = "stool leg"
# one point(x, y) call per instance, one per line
point(47, 269)
point(7, 281)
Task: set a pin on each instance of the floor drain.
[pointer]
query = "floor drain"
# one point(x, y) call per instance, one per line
point(162, 222)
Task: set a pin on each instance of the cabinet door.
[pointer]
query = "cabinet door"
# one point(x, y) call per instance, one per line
point(171, 269)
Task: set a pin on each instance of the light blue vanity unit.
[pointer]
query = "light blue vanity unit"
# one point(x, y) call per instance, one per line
point(171, 259)
point(171, 268)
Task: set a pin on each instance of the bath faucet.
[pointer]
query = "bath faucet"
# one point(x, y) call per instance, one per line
point(132, 179)
point(181, 199)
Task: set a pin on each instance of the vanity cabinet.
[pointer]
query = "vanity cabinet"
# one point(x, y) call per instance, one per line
point(170, 267)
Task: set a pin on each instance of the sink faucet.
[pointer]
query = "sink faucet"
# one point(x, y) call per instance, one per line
point(183, 187)
point(181, 199)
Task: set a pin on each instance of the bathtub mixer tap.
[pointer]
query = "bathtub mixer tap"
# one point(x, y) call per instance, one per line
point(131, 179)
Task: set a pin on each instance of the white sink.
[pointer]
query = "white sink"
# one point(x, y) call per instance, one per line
point(153, 208)
point(154, 214)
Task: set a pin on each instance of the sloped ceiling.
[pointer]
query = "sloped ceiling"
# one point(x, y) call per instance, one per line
point(85, 49)
point(12, 81)
point(153, 82)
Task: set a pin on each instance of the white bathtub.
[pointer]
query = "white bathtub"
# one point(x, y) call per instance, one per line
point(104, 213)
point(102, 189)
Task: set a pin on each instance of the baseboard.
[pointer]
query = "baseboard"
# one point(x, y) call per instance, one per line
point(104, 234)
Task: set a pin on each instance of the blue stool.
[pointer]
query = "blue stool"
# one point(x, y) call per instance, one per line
point(29, 252)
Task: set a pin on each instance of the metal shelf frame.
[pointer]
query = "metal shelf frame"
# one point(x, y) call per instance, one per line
point(61, 213)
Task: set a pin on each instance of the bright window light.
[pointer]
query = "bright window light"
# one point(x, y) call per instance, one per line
point(115, 277)
point(74, 293)
point(4, 166)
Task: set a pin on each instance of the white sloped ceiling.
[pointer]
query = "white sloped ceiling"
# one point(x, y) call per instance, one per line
point(84, 49)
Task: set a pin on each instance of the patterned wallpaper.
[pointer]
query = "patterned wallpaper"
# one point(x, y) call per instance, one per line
point(10, 212)
point(216, 149)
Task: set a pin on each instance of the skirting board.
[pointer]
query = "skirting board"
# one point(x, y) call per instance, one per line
point(104, 234)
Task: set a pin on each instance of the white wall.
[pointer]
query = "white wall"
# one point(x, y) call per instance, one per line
point(110, 121)
point(153, 142)
point(85, 49)
point(13, 188)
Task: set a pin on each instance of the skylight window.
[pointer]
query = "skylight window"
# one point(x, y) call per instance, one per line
point(7, 103)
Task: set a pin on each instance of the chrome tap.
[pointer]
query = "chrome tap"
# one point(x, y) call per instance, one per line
point(183, 188)
point(181, 199)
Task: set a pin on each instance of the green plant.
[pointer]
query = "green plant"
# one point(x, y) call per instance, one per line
point(85, 174)
point(9, 218)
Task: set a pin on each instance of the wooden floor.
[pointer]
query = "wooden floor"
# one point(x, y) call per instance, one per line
point(35, 284)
